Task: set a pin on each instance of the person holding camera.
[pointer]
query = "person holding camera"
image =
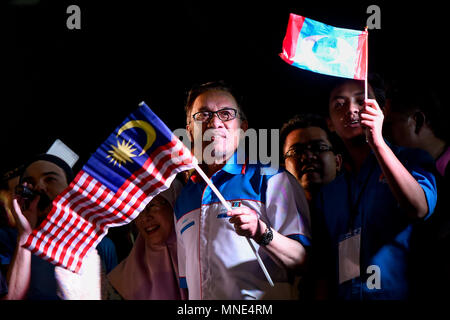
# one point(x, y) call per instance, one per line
point(30, 277)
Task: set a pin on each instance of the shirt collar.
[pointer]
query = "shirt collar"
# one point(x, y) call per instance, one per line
point(231, 166)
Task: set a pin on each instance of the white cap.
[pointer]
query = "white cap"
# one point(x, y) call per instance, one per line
point(62, 151)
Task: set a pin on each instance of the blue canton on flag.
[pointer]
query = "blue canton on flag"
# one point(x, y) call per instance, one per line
point(138, 161)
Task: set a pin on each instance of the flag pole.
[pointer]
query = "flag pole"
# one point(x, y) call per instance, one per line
point(367, 64)
point(228, 207)
point(367, 73)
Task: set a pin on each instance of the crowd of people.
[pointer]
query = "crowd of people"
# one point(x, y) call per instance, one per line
point(357, 211)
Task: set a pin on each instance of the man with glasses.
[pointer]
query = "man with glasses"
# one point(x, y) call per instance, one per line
point(215, 260)
point(308, 153)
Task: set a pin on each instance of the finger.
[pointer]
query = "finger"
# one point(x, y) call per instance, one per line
point(16, 205)
point(372, 103)
point(240, 219)
point(366, 116)
point(240, 211)
point(368, 124)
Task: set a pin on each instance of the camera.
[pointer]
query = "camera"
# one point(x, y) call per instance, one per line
point(29, 194)
point(25, 192)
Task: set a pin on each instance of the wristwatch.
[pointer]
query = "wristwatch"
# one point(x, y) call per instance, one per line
point(266, 237)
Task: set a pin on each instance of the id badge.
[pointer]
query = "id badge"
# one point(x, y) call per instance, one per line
point(349, 252)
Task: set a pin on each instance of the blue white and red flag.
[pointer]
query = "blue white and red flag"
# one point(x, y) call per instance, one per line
point(315, 46)
point(138, 161)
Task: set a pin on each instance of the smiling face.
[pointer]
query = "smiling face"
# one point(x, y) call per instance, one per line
point(311, 168)
point(46, 178)
point(345, 105)
point(155, 222)
point(219, 138)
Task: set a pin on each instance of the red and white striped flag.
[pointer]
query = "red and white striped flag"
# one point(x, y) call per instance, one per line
point(138, 161)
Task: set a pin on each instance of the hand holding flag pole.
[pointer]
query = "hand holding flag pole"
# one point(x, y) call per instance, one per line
point(228, 207)
point(365, 79)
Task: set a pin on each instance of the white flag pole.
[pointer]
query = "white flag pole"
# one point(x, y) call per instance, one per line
point(228, 207)
point(367, 63)
point(367, 73)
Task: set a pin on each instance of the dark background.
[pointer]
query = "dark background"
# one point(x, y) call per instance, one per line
point(78, 85)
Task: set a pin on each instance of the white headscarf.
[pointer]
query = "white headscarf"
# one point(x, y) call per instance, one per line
point(151, 273)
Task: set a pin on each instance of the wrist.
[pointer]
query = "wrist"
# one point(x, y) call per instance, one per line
point(379, 145)
point(22, 237)
point(265, 235)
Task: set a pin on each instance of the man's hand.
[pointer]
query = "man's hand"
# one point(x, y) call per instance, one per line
point(26, 219)
point(246, 222)
point(372, 118)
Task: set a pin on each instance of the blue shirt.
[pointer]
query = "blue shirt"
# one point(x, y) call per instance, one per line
point(385, 228)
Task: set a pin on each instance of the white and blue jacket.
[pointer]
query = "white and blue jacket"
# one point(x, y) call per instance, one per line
point(214, 261)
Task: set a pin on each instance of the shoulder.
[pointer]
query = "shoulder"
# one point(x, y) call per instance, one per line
point(413, 157)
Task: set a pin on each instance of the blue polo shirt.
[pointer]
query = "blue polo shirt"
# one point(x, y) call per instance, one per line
point(385, 228)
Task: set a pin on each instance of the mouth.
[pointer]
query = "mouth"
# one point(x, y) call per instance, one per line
point(217, 134)
point(309, 169)
point(151, 229)
point(353, 123)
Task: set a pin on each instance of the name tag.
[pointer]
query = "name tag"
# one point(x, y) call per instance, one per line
point(349, 253)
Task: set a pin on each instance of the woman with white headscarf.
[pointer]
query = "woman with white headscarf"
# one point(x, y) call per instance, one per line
point(150, 272)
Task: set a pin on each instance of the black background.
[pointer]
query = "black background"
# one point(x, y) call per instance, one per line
point(78, 85)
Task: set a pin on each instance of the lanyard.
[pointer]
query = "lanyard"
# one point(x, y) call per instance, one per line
point(354, 205)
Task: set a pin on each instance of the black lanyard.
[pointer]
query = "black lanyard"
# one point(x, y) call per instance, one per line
point(354, 206)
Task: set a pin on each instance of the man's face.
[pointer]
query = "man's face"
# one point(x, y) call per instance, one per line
point(400, 129)
point(219, 138)
point(314, 163)
point(155, 222)
point(346, 103)
point(46, 178)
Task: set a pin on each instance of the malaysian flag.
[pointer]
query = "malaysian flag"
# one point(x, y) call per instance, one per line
point(136, 162)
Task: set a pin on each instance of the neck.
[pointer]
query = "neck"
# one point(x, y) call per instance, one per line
point(218, 164)
point(210, 169)
point(434, 146)
point(357, 150)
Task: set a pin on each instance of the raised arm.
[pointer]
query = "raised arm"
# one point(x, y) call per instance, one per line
point(405, 188)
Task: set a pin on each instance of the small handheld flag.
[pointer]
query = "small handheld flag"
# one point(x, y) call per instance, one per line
point(138, 161)
point(315, 46)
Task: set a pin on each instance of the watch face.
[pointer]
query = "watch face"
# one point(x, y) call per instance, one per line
point(266, 237)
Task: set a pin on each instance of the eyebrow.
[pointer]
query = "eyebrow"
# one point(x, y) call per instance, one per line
point(343, 97)
point(48, 173)
point(309, 142)
point(206, 108)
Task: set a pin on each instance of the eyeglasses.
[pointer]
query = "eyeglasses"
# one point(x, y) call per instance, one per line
point(225, 114)
point(298, 149)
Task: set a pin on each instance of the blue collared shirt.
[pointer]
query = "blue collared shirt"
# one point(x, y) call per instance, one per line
point(385, 228)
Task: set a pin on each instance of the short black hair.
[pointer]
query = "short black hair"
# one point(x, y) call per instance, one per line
point(306, 120)
point(375, 81)
point(220, 85)
point(408, 96)
point(53, 159)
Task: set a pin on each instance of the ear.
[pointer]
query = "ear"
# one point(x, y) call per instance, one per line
point(419, 119)
point(338, 158)
point(244, 125)
point(189, 130)
point(330, 125)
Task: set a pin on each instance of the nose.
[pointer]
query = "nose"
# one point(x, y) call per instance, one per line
point(354, 107)
point(41, 186)
point(215, 122)
point(146, 214)
point(308, 154)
